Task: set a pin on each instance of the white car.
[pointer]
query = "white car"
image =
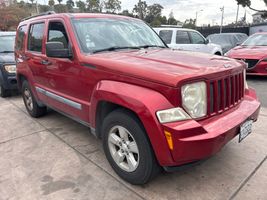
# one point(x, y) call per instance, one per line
point(187, 40)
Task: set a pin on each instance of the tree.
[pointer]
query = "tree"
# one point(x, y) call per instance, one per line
point(94, 5)
point(51, 3)
point(154, 15)
point(59, 1)
point(112, 6)
point(70, 5)
point(60, 8)
point(126, 13)
point(190, 23)
point(247, 3)
point(140, 9)
point(81, 5)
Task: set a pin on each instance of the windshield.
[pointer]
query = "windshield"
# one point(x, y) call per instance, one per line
point(99, 34)
point(7, 43)
point(256, 40)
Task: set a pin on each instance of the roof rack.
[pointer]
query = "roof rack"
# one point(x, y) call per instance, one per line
point(41, 14)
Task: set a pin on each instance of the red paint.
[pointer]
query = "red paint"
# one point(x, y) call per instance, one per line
point(252, 52)
point(144, 81)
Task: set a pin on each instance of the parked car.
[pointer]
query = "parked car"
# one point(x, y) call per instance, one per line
point(8, 80)
point(254, 52)
point(187, 40)
point(227, 40)
point(152, 107)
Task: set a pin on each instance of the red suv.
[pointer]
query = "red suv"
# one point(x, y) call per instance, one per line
point(153, 107)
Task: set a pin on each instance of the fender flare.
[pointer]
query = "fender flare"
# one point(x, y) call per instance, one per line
point(144, 103)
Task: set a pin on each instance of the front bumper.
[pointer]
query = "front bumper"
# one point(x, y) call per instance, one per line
point(197, 140)
point(8, 81)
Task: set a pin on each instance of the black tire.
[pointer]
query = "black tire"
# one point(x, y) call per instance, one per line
point(218, 54)
point(3, 92)
point(148, 167)
point(35, 110)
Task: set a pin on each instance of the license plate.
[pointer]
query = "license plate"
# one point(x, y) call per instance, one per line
point(245, 130)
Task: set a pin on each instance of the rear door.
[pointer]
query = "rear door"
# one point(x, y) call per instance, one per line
point(182, 41)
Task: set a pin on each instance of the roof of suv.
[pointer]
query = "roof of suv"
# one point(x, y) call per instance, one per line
point(74, 15)
point(174, 28)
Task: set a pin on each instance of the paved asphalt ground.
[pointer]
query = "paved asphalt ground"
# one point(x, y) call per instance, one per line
point(55, 158)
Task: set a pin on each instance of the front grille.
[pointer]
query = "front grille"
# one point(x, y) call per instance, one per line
point(225, 93)
point(251, 62)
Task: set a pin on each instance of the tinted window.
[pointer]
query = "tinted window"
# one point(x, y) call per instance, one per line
point(36, 35)
point(256, 40)
point(166, 36)
point(196, 38)
point(182, 37)
point(7, 43)
point(21, 37)
point(57, 33)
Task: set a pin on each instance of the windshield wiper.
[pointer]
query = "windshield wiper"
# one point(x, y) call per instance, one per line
point(150, 46)
point(114, 49)
point(6, 51)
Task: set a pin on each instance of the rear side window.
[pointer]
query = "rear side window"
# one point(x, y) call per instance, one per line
point(21, 37)
point(36, 34)
point(57, 33)
point(182, 37)
point(166, 36)
point(196, 38)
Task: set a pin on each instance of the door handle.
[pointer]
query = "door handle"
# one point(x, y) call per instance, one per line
point(46, 62)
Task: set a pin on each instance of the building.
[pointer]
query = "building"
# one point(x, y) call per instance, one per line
point(257, 18)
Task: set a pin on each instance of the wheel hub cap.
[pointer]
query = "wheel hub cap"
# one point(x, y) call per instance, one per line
point(123, 148)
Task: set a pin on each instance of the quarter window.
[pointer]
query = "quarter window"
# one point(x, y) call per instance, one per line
point(21, 37)
point(166, 36)
point(57, 33)
point(35, 41)
point(196, 38)
point(182, 37)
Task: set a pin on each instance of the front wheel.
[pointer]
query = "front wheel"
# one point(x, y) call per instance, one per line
point(30, 102)
point(127, 147)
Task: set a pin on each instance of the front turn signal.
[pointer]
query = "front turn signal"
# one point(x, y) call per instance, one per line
point(168, 136)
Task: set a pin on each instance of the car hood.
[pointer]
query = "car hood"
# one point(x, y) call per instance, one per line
point(248, 52)
point(7, 58)
point(163, 65)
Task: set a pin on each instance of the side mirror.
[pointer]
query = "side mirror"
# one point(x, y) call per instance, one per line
point(57, 50)
point(207, 41)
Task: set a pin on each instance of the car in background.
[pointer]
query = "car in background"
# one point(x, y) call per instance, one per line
point(8, 80)
point(254, 52)
point(227, 40)
point(187, 40)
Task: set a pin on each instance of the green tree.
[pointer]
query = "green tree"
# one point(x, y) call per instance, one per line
point(81, 5)
point(51, 3)
point(126, 13)
point(112, 6)
point(190, 23)
point(247, 3)
point(60, 8)
point(94, 5)
point(154, 15)
point(59, 1)
point(70, 5)
point(140, 9)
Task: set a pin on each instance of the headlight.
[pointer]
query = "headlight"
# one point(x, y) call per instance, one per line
point(194, 97)
point(172, 115)
point(10, 68)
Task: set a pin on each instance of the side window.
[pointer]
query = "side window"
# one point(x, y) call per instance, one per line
point(57, 33)
point(21, 37)
point(182, 37)
point(36, 34)
point(196, 38)
point(166, 36)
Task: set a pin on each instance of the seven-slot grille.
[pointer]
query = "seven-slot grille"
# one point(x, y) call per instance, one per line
point(225, 93)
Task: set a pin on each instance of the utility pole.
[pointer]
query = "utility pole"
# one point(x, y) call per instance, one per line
point(237, 13)
point(222, 9)
point(197, 16)
point(140, 10)
point(37, 8)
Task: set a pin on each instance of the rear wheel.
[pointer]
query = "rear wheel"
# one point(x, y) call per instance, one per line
point(127, 147)
point(30, 102)
point(218, 54)
point(3, 92)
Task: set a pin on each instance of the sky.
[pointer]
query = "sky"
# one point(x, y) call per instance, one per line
point(210, 14)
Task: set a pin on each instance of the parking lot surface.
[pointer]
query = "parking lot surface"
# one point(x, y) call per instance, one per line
point(54, 157)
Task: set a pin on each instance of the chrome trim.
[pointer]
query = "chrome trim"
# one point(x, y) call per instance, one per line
point(59, 98)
